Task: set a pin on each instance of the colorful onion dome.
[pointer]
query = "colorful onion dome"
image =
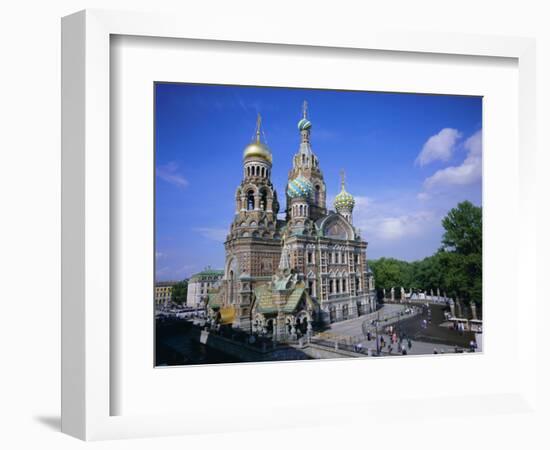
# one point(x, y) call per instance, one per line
point(257, 150)
point(304, 124)
point(299, 187)
point(344, 201)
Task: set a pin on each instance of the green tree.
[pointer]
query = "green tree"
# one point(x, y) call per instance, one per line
point(391, 272)
point(179, 292)
point(463, 230)
point(461, 252)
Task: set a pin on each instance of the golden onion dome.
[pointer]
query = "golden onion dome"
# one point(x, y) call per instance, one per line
point(257, 149)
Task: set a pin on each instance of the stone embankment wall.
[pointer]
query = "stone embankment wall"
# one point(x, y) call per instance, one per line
point(249, 353)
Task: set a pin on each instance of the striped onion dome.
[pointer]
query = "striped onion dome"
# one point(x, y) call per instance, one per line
point(299, 187)
point(304, 124)
point(344, 201)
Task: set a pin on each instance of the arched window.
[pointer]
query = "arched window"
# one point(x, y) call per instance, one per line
point(343, 285)
point(303, 159)
point(263, 199)
point(331, 287)
point(337, 285)
point(301, 210)
point(332, 314)
point(250, 200)
point(317, 194)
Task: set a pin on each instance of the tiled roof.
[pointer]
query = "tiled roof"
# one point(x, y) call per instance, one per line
point(266, 300)
point(293, 300)
point(165, 283)
point(214, 300)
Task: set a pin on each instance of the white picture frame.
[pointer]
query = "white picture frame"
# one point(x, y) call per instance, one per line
point(86, 219)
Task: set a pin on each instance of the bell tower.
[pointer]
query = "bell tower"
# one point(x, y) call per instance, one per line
point(253, 245)
point(256, 195)
point(306, 164)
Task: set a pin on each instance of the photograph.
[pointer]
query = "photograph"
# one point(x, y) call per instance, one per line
point(302, 224)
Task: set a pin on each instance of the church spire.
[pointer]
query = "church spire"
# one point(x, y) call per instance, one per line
point(304, 125)
point(258, 127)
point(343, 180)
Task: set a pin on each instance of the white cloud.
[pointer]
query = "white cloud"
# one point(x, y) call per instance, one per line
point(399, 227)
point(391, 221)
point(362, 201)
point(466, 173)
point(473, 144)
point(439, 147)
point(169, 173)
point(215, 234)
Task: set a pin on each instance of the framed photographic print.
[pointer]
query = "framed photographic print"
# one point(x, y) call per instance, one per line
point(244, 211)
point(284, 250)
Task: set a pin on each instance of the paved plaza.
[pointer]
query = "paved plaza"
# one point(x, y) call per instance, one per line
point(430, 340)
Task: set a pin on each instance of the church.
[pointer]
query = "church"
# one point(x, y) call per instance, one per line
point(283, 278)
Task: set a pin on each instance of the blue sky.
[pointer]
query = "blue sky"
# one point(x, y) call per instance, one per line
point(408, 159)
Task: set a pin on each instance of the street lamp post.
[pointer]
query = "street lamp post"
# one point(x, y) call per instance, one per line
point(376, 328)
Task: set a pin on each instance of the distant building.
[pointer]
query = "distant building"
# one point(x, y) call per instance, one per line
point(163, 292)
point(198, 285)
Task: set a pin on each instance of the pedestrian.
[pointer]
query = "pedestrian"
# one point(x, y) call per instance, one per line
point(359, 348)
point(409, 343)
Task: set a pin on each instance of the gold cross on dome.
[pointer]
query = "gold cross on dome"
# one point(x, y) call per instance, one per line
point(343, 177)
point(258, 127)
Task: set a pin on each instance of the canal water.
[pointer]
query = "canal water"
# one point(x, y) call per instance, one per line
point(175, 347)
